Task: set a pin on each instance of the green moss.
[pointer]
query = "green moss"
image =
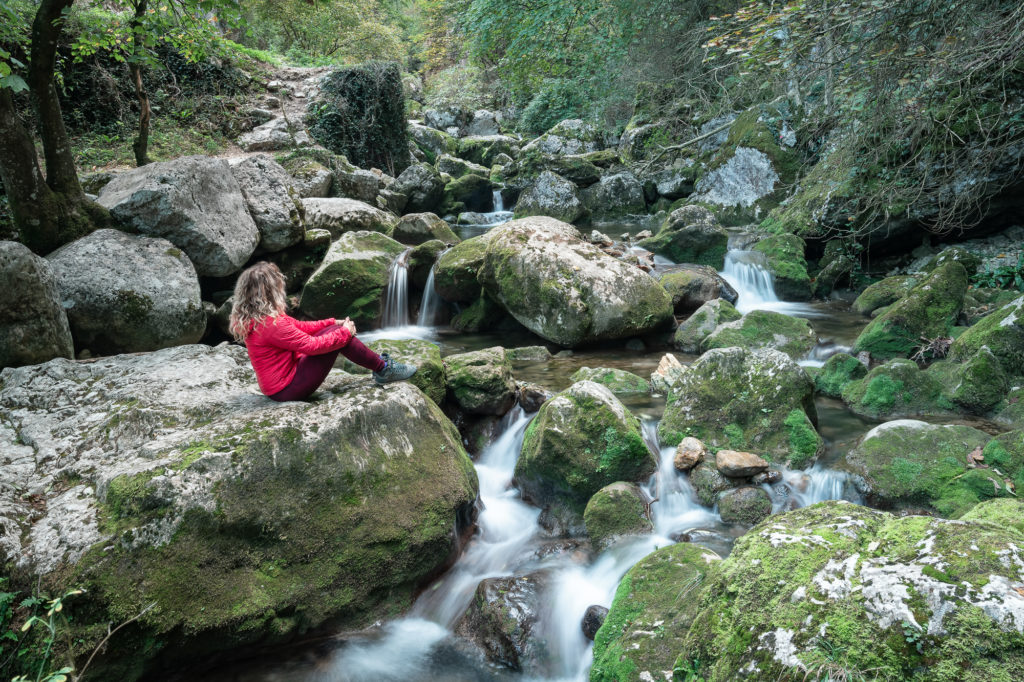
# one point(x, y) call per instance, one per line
point(618, 381)
point(804, 441)
point(884, 293)
point(613, 511)
point(838, 371)
point(784, 254)
point(765, 329)
point(1002, 332)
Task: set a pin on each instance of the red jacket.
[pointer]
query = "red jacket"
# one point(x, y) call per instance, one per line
point(276, 344)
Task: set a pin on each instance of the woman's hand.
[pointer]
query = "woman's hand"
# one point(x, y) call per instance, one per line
point(349, 325)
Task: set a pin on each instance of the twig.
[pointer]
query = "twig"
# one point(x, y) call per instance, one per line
point(110, 634)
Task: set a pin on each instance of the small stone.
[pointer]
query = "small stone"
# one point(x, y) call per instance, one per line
point(644, 234)
point(668, 373)
point(532, 396)
point(770, 477)
point(736, 464)
point(592, 620)
point(689, 454)
point(600, 238)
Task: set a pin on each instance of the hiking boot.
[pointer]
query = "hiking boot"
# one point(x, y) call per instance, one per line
point(393, 371)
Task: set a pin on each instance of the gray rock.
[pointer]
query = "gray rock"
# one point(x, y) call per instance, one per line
point(615, 195)
point(423, 186)
point(434, 141)
point(593, 619)
point(359, 184)
point(691, 286)
point(550, 195)
point(445, 118)
point(747, 505)
point(195, 203)
point(674, 183)
point(572, 136)
point(417, 228)
point(744, 179)
point(702, 323)
point(126, 293)
point(339, 216)
point(483, 123)
point(272, 200)
point(273, 136)
point(480, 382)
point(502, 618)
point(33, 325)
point(457, 167)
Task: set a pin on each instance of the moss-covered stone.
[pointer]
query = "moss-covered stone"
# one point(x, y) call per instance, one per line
point(838, 371)
point(616, 510)
point(617, 380)
point(417, 228)
point(745, 400)
point(691, 286)
point(654, 605)
point(1003, 333)
point(886, 292)
point(784, 258)
point(693, 330)
point(1003, 512)
point(484, 149)
point(481, 382)
point(455, 167)
point(955, 254)
point(430, 375)
point(747, 505)
point(468, 193)
point(708, 482)
point(455, 276)
point(581, 440)
point(899, 388)
point(982, 383)
point(422, 259)
point(483, 314)
point(928, 311)
point(690, 234)
point(765, 329)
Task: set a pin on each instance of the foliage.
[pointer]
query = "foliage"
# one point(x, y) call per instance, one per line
point(556, 100)
point(1003, 277)
point(12, 31)
point(29, 630)
point(459, 86)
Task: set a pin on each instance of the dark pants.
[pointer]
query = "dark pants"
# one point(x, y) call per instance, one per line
point(313, 369)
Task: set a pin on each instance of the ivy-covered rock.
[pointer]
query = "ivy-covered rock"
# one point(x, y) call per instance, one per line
point(838, 371)
point(167, 478)
point(1003, 333)
point(691, 332)
point(567, 290)
point(691, 286)
point(339, 216)
point(614, 511)
point(417, 228)
point(430, 372)
point(747, 505)
point(423, 187)
point(884, 293)
point(745, 400)
point(351, 280)
point(581, 440)
point(784, 258)
point(901, 597)
point(618, 381)
point(550, 195)
point(654, 606)
point(928, 311)
point(33, 324)
point(690, 234)
point(481, 382)
point(765, 329)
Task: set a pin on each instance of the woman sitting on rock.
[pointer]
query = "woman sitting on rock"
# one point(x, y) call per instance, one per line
point(291, 357)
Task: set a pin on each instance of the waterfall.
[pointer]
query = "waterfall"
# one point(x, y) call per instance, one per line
point(431, 303)
point(745, 271)
point(499, 202)
point(396, 305)
point(817, 484)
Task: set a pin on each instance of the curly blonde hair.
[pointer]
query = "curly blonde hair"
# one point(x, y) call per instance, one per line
point(259, 295)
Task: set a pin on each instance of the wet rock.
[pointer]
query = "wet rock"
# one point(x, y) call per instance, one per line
point(618, 381)
point(532, 396)
point(708, 482)
point(339, 216)
point(735, 464)
point(470, 192)
point(1002, 332)
point(838, 371)
point(691, 286)
point(417, 228)
point(273, 201)
point(455, 276)
point(422, 259)
point(690, 334)
point(550, 195)
point(423, 187)
point(614, 511)
point(593, 619)
point(884, 293)
point(502, 617)
point(690, 234)
point(784, 258)
point(33, 324)
point(747, 505)
point(481, 382)
point(667, 375)
point(689, 453)
point(770, 477)
point(765, 329)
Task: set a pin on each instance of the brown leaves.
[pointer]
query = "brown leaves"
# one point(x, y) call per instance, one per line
point(976, 460)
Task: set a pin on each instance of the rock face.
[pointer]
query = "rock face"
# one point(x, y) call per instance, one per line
point(691, 286)
point(916, 465)
point(550, 195)
point(125, 293)
point(735, 398)
point(765, 329)
point(615, 195)
point(339, 216)
point(654, 606)
point(567, 290)
point(422, 185)
point(581, 440)
point(744, 179)
point(417, 228)
point(33, 324)
point(351, 280)
point(616, 510)
point(502, 617)
point(691, 332)
point(193, 202)
point(872, 585)
point(690, 234)
point(616, 380)
point(168, 478)
point(1002, 332)
point(481, 382)
point(273, 202)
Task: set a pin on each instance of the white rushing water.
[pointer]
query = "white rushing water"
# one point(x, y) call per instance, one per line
point(395, 321)
point(430, 305)
point(396, 304)
point(746, 273)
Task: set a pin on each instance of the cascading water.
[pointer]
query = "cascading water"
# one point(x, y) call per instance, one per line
point(430, 305)
point(396, 305)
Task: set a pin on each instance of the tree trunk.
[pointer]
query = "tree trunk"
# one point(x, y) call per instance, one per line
point(141, 144)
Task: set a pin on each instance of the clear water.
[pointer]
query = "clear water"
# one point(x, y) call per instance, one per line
point(396, 302)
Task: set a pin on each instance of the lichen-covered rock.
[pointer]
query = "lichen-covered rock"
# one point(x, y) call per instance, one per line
point(430, 374)
point(311, 177)
point(272, 199)
point(691, 286)
point(654, 605)
point(928, 311)
point(481, 382)
point(423, 187)
point(195, 203)
point(502, 617)
point(351, 280)
point(455, 275)
point(784, 258)
point(566, 290)
point(913, 464)
point(902, 598)
point(736, 464)
point(572, 136)
point(741, 399)
point(838, 371)
point(166, 477)
point(33, 324)
point(884, 293)
point(127, 293)
point(417, 228)
point(614, 511)
point(339, 216)
point(457, 167)
point(1003, 333)
point(550, 195)
point(356, 183)
point(747, 505)
point(617, 380)
point(690, 234)
point(484, 149)
point(689, 453)
point(765, 329)
point(691, 332)
point(615, 195)
point(581, 440)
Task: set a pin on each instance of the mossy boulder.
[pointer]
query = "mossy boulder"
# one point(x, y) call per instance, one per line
point(899, 388)
point(838, 371)
point(765, 329)
point(484, 149)
point(691, 286)
point(483, 314)
point(422, 259)
point(1003, 512)
point(691, 332)
point(423, 187)
point(615, 196)
point(247, 522)
point(456, 167)
point(955, 254)
point(419, 228)
point(916, 465)
point(708, 482)
point(455, 275)
point(1003, 333)
point(981, 384)
point(351, 280)
point(580, 441)
point(614, 511)
point(928, 311)
point(884, 293)
point(618, 381)
point(654, 606)
point(746, 505)
point(690, 234)
point(468, 193)
point(567, 290)
point(784, 258)
point(339, 216)
point(430, 373)
point(901, 598)
point(734, 398)
point(481, 382)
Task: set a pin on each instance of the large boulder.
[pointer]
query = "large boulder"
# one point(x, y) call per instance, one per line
point(126, 293)
point(274, 135)
point(614, 196)
point(690, 234)
point(784, 258)
point(351, 280)
point(339, 216)
point(33, 324)
point(455, 275)
point(691, 332)
point(167, 479)
point(614, 511)
point(927, 312)
point(502, 617)
point(884, 293)
point(566, 290)
point(485, 149)
point(572, 136)
point(765, 329)
point(618, 381)
point(480, 382)
point(435, 141)
point(1002, 332)
point(356, 183)
point(654, 606)
point(838, 586)
point(550, 195)
point(456, 167)
point(423, 186)
point(581, 440)
point(272, 199)
point(741, 399)
point(747, 177)
point(195, 203)
point(468, 193)
point(417, 228)
point(691, 286)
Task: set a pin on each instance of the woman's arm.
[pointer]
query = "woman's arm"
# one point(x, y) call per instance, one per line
point(313, 326)
point(284, 333)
